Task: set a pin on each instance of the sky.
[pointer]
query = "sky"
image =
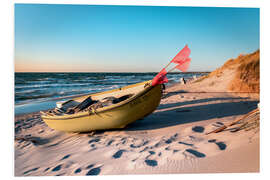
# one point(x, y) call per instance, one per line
point(103, 38)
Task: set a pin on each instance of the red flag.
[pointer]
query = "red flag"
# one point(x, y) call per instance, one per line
point(184, 66)
point(181, 56)
point(160, 78)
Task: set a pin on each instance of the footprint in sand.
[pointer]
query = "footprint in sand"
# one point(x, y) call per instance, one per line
point(46, 169)
point(93, 140)
point(140, 145)
point(94, 171)
point(65, 157)
point(218, 124)
point(212, 140)
point(62, 174)
point(17, 129)
point(157, 144)
point(198, 129)
point(168, 141)
point(196, 153)
point(110, 142)
point(93, 145)
point(187, 144)
point(221, 145)
point(146, 148)
point(31, 170)
point(151, 162)
point(90, 166)
point(118, 154)
point(171, 139)
point(150, 154)
point(57, 168)
point(77, 170)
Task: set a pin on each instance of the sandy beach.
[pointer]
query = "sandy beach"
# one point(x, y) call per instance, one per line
point(126, 88)
point(172, 140)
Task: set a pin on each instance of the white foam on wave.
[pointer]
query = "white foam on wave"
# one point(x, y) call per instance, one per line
point(52, 85)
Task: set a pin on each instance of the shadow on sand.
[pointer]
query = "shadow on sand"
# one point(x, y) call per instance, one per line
point(182, 115)
point(164, 106)
point(173, 93)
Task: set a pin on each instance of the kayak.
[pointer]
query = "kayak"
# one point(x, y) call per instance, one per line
point(136, 102)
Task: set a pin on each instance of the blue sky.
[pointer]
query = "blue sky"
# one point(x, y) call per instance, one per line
point(90, 38)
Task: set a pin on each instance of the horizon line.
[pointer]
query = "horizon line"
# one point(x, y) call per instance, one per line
point(110, 72)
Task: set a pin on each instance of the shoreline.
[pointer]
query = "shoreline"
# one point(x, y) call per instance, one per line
point(26, 108)
point(24, 101)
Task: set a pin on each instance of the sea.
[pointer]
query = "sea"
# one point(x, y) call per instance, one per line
point(40, 91)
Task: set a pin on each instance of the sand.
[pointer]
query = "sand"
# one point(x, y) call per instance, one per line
point(172, 140)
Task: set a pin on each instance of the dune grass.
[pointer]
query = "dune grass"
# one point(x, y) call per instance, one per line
point(247, 73)
point(247, 77)
point(230, 64)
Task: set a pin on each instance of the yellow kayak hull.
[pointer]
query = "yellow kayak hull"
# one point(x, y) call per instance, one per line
point(144, 102)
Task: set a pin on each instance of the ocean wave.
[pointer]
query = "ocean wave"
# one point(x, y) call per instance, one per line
point(52, 85)
point(32, 87)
